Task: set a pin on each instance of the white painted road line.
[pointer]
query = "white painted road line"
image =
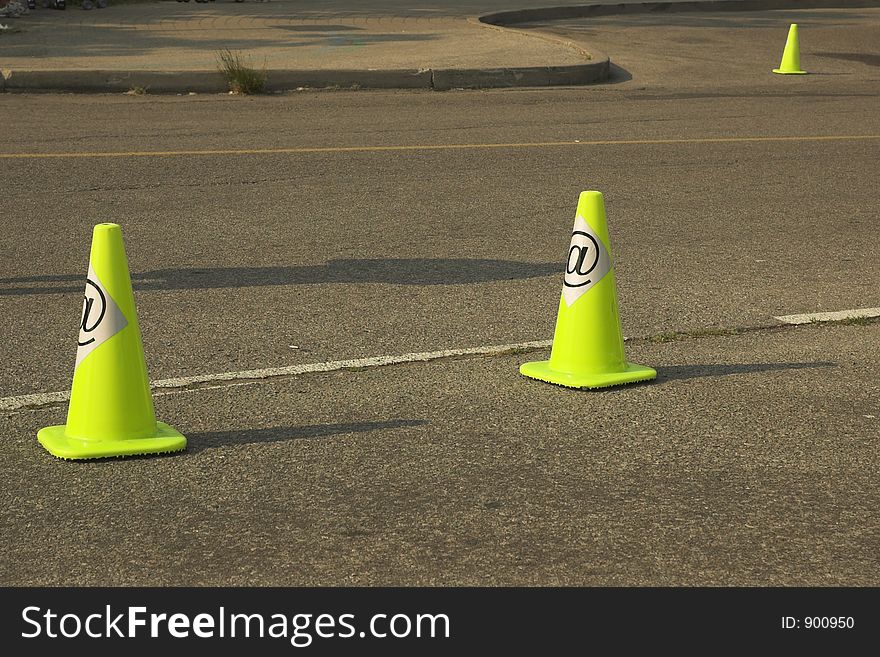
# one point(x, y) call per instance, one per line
point(203, 381)
point(183, 383)
point(38, 399)
point(809, 318)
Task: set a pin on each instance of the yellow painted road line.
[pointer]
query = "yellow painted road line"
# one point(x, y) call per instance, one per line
point(435, 147)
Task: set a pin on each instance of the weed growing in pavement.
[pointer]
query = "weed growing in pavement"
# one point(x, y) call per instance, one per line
point(700, 333)
point(242, 79)
point(664, 337)
point(672, 336)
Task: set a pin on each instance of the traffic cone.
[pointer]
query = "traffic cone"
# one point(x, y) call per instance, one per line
point(791, 56)
point(588, 344)
point(111, 409)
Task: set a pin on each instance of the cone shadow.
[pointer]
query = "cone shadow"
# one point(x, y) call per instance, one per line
point(212, 439)
point(395, 271)
point(685, 372)
point(870, 59)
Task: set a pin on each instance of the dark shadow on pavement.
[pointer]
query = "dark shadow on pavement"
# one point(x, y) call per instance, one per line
point(364, 39)
point(130, 41)
point(321, 28)
point(196, 442)
point(727, 15)
point(394, 271)
point(863, 58)
point(685, 372)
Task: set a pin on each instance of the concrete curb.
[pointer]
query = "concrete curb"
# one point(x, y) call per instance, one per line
point(512, 17)
point(209, 82)
point(116, 81)
point(284, 80)
point(534, 76)
point(213, 82)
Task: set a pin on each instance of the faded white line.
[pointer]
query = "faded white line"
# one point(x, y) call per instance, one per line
point(248, 377)
point(182, 383)
point(38, 399)
point(809, 318)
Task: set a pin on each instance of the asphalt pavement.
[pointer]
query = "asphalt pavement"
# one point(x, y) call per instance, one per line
point(318, 226)
point(751, 461)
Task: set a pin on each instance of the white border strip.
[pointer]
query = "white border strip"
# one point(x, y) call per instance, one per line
point(179, 384)
point(808, 318)
point(183, 383)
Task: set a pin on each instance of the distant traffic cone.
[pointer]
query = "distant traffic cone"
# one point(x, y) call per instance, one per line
point(111, 409)
point(588, 344)
point(791, 56)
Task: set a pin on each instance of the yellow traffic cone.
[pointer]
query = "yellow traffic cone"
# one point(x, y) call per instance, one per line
point(111, 409)
point(588, 344)
point(791, 56)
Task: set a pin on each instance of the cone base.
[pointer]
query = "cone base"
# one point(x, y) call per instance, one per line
point(781, 72)
point(632, 374)
point(57, 443)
